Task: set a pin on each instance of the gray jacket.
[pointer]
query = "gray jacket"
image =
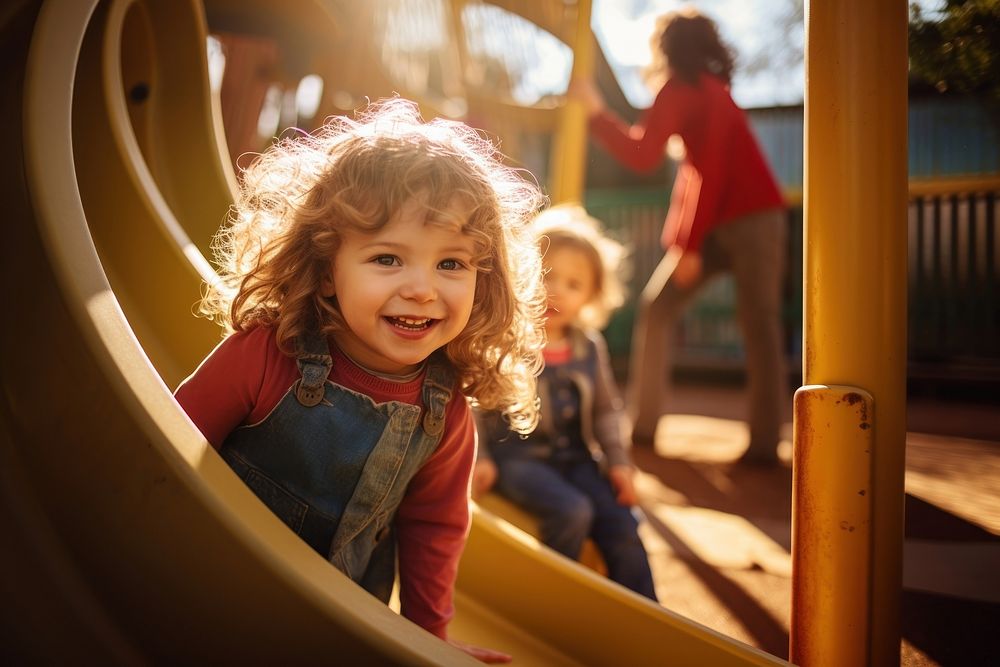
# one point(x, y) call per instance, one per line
point(603, 422)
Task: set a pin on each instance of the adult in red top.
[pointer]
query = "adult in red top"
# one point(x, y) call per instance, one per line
point(726, 214)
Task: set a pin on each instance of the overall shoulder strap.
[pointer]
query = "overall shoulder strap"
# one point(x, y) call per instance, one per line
point(314, 362)
point(439, 384)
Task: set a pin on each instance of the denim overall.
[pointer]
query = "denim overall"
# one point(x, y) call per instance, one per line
point(334, 465)
point(556, 474)
point(563, 389)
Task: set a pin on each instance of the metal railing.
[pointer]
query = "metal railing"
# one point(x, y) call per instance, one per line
point(954, 283)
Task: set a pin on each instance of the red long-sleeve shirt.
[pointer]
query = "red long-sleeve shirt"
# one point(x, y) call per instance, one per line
point(243, 379)
point(724, 175)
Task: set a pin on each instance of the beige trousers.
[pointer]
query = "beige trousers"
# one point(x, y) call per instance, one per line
point(753, 249)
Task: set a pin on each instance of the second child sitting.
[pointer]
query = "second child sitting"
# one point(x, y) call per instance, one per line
point(574, 471)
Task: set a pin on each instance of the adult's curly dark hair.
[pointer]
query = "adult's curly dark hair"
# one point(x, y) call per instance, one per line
point(687, 43)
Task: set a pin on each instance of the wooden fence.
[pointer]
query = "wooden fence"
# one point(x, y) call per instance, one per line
point(954, 283)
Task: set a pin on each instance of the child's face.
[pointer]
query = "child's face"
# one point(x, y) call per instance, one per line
point(570, 283)
point(404, 291)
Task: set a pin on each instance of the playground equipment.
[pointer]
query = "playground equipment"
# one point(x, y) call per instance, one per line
point(855, 340)
point(129, 540)
point(131, 536)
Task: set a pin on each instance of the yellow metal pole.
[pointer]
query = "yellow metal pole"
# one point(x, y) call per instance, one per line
point(568, 161)
point(855, 203)
point(831, 526)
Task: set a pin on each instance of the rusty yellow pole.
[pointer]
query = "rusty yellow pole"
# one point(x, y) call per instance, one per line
point(568, 161)
point(855, 200)
point(832, 526)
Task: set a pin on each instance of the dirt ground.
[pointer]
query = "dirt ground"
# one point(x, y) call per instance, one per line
point(718, 532)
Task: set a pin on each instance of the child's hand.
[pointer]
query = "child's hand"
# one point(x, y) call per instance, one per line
point(587, 93)
point(483, 477)
point(486, 655)
point(688, 269)
point(621, 480)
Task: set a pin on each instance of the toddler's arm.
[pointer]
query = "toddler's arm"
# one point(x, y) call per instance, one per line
point(609, 413)
point(623, 482)
point(226, 387)
point(433, 522)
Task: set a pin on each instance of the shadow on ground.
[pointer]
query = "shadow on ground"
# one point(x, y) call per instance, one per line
point(718, 535)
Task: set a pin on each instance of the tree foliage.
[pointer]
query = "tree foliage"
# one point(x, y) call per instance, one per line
point(957, 48)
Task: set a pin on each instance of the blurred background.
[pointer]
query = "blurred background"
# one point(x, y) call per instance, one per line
point(504, 67)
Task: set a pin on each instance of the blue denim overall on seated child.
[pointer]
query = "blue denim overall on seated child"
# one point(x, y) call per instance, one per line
point(574, 471)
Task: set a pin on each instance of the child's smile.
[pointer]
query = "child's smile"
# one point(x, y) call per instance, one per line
point(404, 290)
point(411, 324)
point(411, 328)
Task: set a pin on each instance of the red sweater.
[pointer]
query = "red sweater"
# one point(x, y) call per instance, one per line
point(243, 379)
point(724, 175)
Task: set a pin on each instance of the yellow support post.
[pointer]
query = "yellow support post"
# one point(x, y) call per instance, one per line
point(568, 161)
point(831, 525)
point(855, 204)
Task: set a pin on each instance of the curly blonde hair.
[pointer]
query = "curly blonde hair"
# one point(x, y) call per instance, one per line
point(570, 226)
point(299, 197)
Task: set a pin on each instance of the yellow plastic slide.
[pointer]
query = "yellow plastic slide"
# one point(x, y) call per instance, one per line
point(127, 539)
